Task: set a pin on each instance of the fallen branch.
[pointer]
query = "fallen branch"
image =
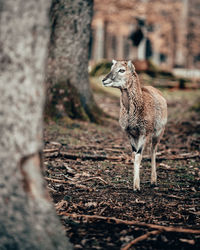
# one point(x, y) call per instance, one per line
point(182, 157)
point(140, 238)
point(170, 196)
point(166, 167)
point(92, 178)
point(56, 180)
point(135, 223)
point(68, 182)
point(94, 146)
point(173, 157)
point(50, 150)
point(85, 157)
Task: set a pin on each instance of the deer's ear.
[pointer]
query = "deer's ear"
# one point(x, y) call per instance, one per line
point(131, 66)
point(114, 61)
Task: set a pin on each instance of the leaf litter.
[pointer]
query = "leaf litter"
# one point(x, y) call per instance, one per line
point(88, 169)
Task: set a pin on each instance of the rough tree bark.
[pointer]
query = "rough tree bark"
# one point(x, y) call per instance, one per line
point(69, 91)
point(27, 218)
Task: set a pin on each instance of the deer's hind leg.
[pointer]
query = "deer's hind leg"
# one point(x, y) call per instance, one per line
point(155, 142)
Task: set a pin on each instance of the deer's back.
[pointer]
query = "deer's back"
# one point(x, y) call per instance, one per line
point(155, 106)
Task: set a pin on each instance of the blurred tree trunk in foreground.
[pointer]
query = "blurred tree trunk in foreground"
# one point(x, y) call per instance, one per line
point(69, 92)
point(27, 217)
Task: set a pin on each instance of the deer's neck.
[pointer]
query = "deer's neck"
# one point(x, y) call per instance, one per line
point(131, 97)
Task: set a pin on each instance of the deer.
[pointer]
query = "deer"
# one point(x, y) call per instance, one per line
point(143, 114)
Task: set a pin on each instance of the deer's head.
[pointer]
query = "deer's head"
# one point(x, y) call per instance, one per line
point(120, 73)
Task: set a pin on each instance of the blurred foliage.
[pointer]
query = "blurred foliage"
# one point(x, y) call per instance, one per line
point(154, 71)
point(196, 107)
point(101, 68)
point(152, 66)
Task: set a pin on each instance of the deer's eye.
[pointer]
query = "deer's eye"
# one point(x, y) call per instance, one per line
point(121, 71)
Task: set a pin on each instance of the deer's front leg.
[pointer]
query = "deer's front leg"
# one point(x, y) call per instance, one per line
point(137, 149)
point(136, 171)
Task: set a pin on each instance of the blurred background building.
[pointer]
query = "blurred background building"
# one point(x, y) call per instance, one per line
point(164, 31)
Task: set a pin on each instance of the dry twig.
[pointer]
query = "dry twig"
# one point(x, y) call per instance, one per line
point(92, 178)
point(50, 150)
point(140, 238)
point(68, 182)
point(170, 196)
point(56, 180)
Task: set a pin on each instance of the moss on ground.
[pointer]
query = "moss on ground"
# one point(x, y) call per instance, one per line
point(64, 102)
point(101, 68)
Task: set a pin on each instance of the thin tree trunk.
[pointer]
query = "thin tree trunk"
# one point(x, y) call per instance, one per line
point(69, 92)
point(27, 217)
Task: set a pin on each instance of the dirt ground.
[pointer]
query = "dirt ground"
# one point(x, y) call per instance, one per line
point(88, 169)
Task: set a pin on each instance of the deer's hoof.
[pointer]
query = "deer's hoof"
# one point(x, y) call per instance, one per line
point(136, 187)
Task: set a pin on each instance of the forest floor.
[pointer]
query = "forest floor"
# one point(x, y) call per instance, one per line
point(88, 169)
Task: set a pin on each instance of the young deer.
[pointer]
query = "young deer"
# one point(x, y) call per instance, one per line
point(143, 114)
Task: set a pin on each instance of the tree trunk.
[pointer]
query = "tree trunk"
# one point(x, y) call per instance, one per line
point(27, 218)
point(69, 91)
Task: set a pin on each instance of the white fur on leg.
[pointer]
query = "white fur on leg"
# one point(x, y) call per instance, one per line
point(153, 168)
point(136, 178)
